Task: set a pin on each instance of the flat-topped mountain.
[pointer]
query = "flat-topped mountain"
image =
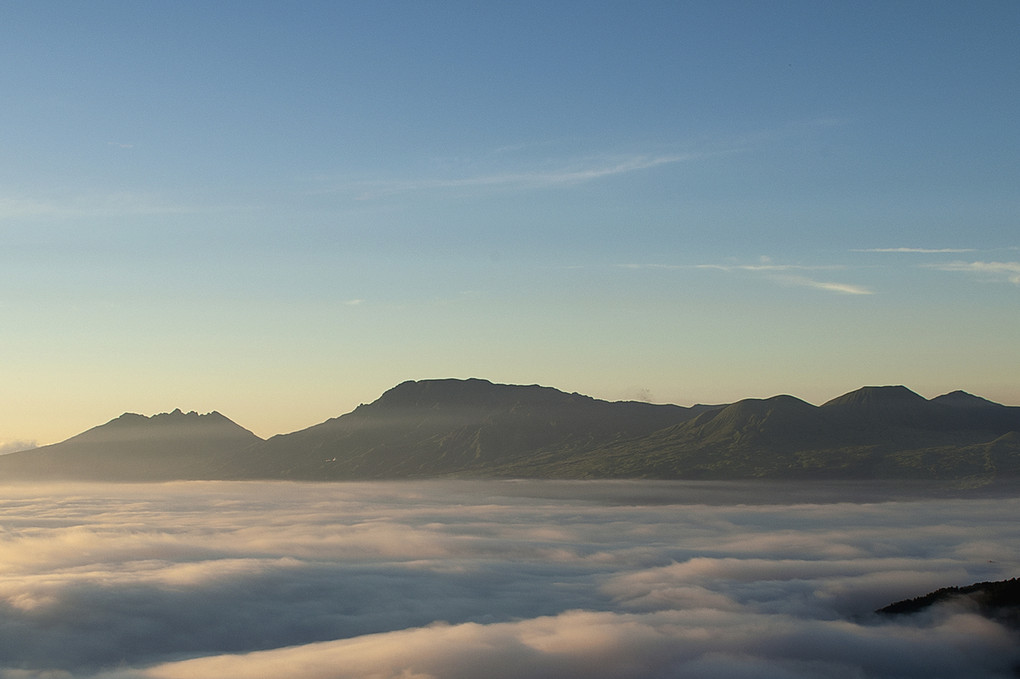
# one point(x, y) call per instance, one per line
point(133, 447)
point(476, 428)
point(877, 398)
point(443, 427)
point(878, 406)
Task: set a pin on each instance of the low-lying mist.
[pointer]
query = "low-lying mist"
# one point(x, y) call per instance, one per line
point(497, 579)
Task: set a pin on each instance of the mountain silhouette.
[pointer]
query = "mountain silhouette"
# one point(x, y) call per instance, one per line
point(475, 428)
point(133, 447)
point(442, 427)
point(961, 399)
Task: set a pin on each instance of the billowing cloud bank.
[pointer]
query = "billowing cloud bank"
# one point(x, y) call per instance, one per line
point(494, 579)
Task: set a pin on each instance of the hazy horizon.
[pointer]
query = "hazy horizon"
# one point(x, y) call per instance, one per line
point(16, 446)
point(279, 211)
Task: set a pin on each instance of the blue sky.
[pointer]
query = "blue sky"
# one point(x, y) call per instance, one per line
point(280, 210)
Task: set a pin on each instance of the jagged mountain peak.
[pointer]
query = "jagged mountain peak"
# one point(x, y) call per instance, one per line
point(174, 424)
point(175, 415)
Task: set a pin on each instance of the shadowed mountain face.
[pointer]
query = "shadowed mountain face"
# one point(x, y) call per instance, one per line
point(900, 407)
point(874, 432)
point(877, 398)
point(442, 427)
point(882, 406)
point(477, 428)
point(133, 447)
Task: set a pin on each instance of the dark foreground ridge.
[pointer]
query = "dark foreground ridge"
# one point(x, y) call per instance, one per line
point(474, 428)
point(998, 600)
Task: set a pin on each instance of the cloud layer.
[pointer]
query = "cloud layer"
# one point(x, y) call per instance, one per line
point(507, 579)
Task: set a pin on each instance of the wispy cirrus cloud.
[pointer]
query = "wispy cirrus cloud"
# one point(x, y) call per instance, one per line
point(538, 178)
point(922, 251)
point(785, 274)
point(781, 273)
point(737, 267)
point(997, 270)
point(827, 286)
point(85, 205)
point(994, 270)
point(768, 266)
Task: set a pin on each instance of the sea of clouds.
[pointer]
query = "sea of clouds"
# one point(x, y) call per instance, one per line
point(465, 579)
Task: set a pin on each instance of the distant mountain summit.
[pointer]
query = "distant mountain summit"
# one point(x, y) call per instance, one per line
point(877, 398)
point(871, 433)
point(132, 447)
point(475, 428)
point(473, 392)
point(889, 406)
point(961, 399)
point(444, 427)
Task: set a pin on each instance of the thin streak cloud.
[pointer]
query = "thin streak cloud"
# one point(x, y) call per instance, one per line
point(97, 205)
point(923, 251)
point(780, 273)
point(768, 267)
point(736, 267)
point(827, 286)
point(1008, 270)
point(532, 179)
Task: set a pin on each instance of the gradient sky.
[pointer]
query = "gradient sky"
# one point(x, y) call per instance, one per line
point(280, 210)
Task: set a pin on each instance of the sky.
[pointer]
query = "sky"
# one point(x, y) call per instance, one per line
point(280, 210)
point(621, 580)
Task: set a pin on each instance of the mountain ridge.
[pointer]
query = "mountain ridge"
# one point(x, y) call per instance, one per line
point(477, 428)
point(440, 427)
point(133, 447)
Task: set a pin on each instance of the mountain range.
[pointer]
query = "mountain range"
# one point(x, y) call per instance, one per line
point(474, 428)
